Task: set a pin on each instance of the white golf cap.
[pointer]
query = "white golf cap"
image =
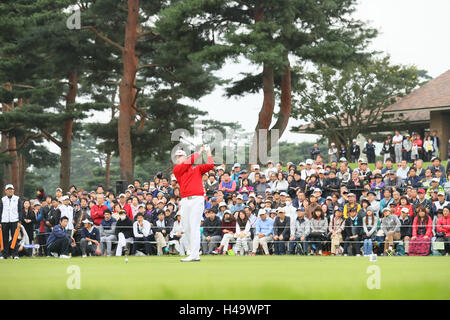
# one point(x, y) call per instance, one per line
point(227, 211)
point(321, 171)
point(9, 186)
point(173, 179)
point(405, 210)
point(240, 197)
point(220, 168)
point(281, 209)
point(256, 166)
point(252, 196)
point(333, 144)
point(309, 161)
point(58, 189)
point(441, 193)
point(65, 198)
point(122, 195)
point(302, 164)
point(130, 186)
point(343, 159)
point(236, 165)
point(261, 212)
point(180, 153)
point(284, 194)
point(87, 221)
point(354, 140)
point(36, 203)
point(317, 190)
point(269, 190)
point(222, 204)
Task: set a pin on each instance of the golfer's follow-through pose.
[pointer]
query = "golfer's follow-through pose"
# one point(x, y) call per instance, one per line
point(189, 177)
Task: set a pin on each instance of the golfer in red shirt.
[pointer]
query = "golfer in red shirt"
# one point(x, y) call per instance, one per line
point(192, 205)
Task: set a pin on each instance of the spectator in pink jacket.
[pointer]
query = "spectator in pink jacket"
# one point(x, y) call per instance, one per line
point(422, 232)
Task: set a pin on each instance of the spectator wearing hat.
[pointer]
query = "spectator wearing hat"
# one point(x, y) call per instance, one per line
point(332, 153)
point(125, 206)
point(281, 231)
point(107, 230)
point(90, 239)
point(59, 194)
point(422, 201)
point(344, 174)
point(58, 242)
point(436, 165)
point(440, 204)
point(443, 227)
point(406, 221)
point(390, 224)
point(124, 232)
point(336, 227)
point(435, 187)
point(407, 148)
point(142, 232)
point(11, 215)
point(227, 185)
point(212, 232)
point(392, 180)
point(254, 169)
point(177, 236)
point(299, 233)
point(364, 203)
point(352, 203)
point(239, 204)
point(236, 173)
point(67, 211)
point(370, 225)
point(422, 231)
point(228, 229)
point(263, 232)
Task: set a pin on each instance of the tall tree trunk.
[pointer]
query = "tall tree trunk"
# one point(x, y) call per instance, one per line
point(126, 92)
point(5, 146)
point(22, 169)
point(13, 153)
point(66, 142)
point(108, 170)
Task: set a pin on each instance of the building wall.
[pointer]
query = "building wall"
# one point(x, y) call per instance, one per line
point(440, 121)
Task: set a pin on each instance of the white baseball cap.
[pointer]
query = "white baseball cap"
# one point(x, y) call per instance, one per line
point(317, 190)
point(65, 198)
point(256, 166)
point(87, 221)
point(222, 204)
point(236, 165)
point(180, 153)
point(405, 210)
point(343, 159)
point(309, 161)
point(9, 186)
point(240, 197)
point(284, 194)
point(261, 212)
point(269, 190)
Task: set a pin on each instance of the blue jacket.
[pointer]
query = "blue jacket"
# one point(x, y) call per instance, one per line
point(265, 227)
point(94, 234)
point(57, 233)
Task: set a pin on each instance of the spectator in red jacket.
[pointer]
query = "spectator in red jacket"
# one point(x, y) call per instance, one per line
point(98, 209)
point(421, 234)
point(404, 203)
point(125, 206)
point(443, 225)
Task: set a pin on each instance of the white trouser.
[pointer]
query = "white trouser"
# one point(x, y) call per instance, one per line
point(191, 211)
point(180, 245)
point(242, 245)
point(226, 240)
point(122, 242)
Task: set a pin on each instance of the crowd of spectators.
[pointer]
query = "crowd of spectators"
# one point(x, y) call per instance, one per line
point(306, 208)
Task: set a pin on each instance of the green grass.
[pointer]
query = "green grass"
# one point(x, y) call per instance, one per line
point(226, 277)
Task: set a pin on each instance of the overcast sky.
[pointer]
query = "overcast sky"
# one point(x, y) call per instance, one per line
point(411, 31)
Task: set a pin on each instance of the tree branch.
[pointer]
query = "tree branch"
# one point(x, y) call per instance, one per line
point(24, 141)
point(104, 38)
point(52, 139)
point(152, 65)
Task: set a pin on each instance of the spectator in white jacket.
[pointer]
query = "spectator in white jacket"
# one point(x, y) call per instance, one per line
point(142, 232)
point(67, 211)
point(177, 236)
point(242, 234)
point(281, 184)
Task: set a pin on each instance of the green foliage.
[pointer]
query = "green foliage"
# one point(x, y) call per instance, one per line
point(341, 104)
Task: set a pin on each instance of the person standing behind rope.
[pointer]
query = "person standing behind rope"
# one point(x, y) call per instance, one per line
point(189, 177)
point(11, 213)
